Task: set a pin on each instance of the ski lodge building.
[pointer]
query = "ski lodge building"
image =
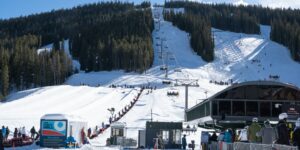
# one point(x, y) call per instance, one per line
point(236, 105)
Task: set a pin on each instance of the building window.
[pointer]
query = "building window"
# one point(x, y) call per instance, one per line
point(238, 108)
point(165, 136)
point(265, 109)
point(224, 107)
point(207, 109)
point(251, 109)
point(176, 136)
point(215, 108)
point(117, 132)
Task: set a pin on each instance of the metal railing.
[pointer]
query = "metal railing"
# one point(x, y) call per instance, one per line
point(248, 146)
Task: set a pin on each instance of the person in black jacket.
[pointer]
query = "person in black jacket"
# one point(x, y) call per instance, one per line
point(296, 134)
point(282, 130)
point(213, 138)
point(183, 142)
point(32, 131)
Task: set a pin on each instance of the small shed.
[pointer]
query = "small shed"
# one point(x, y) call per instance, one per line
point(166, 134)
point(118, 133)
point(56, 128)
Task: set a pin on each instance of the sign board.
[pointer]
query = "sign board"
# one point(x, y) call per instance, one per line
point(53, 133)
point(293, 111)
point(204, 137)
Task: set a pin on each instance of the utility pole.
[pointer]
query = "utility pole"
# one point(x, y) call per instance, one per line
point(161, 48)
point(151, 115)
point(167, 57)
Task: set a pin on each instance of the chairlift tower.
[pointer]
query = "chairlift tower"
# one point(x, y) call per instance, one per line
point(186, 83)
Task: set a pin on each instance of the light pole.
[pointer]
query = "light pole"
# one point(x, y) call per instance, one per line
point(112, 111)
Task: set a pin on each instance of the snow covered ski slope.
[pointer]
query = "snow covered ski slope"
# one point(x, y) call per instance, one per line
point(239, 57)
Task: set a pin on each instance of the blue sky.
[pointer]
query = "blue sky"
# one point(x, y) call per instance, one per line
point(15, 8)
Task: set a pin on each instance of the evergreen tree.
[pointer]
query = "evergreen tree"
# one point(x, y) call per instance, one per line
point(4, 75)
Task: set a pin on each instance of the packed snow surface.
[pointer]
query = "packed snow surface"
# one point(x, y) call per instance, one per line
point(238, 57)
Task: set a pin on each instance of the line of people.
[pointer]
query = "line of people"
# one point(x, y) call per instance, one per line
point(126, 108)
point(283, 133)
point(133, 86)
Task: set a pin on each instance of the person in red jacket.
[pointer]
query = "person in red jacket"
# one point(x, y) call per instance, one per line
point(82, 133)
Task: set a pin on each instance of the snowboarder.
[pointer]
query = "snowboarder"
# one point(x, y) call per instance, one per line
point(183, 142)
point(32, 132)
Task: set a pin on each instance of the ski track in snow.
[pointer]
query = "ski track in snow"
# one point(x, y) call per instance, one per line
point(234, 53)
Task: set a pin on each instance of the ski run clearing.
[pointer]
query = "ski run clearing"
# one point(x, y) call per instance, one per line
point(238, 57)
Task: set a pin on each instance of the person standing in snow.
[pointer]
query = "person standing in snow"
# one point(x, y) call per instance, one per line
point(82, 134)
point(110, 120)
point(183, 142)
point(296, 134)
point(252, 130)
point(89, 133)
point(16, 133)
point(32, 132)
point(3, 132)
point(7, 133)
point(267, 133)
point(282, 130)
point(23, 132)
